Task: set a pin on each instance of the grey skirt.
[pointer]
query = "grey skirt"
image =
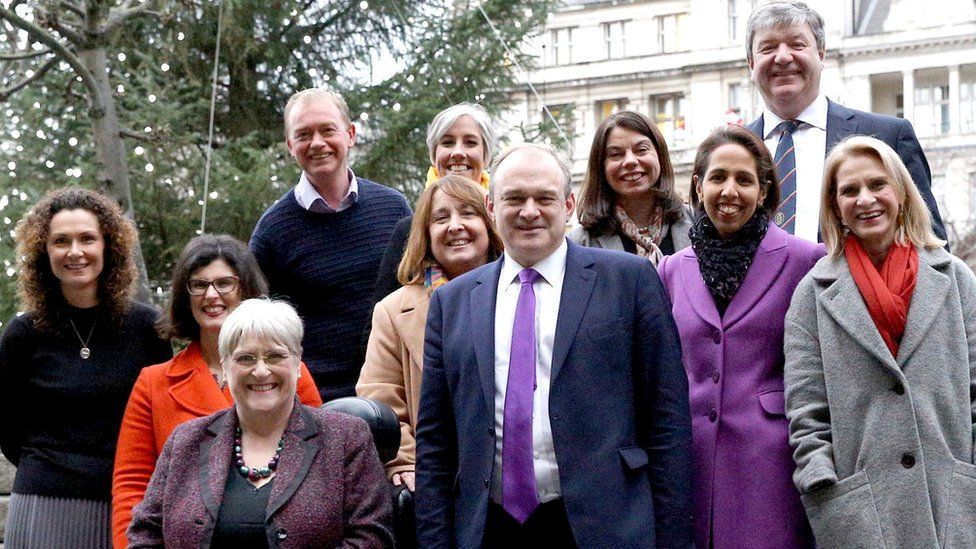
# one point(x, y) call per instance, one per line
point(41, 522)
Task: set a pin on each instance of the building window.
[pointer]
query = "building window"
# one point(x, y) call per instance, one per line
point(608, 107)
point(900, 105)
point(614, 35)
point(738, 15)
point(563, 114)
point(562, 45)
point(932, 110)
point(738, 111)
point(669, 112)
point(967, 107)
point(671, 32)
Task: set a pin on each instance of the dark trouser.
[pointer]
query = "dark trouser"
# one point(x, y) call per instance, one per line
point(547, 526)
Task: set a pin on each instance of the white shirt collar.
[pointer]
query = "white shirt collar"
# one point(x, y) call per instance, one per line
point(310, 199)
point(814, 115)
point(552, 267)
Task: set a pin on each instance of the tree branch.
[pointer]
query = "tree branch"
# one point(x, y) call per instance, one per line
point(120, 15)
point(23, 55)
point(5, 93)
point(141, 136)
point(72, 8)
point(57, 48)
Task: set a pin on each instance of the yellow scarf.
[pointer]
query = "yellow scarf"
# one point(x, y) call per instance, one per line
point(432, 176)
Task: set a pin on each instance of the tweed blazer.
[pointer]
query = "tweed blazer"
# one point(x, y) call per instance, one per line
point(678, 230)
point(164, 396)
point(884, 445)
point(329, 489)
point(394, 363)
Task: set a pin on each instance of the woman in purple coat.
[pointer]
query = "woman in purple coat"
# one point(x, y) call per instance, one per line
point(729, 292)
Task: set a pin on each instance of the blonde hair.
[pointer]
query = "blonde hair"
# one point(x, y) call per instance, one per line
point(316, 94)
point(914, 220)
point(418, 255)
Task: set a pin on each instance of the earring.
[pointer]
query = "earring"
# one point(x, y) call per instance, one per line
point(901, 218)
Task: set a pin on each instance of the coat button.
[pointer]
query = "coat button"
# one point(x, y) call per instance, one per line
point(713, 416)
point(281, 533)
point(198, 521)
point(715, 376)
point(487, 482)
point(716, 337)
point(907, 461)
point(898, 389)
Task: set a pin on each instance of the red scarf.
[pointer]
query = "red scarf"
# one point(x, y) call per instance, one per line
point(887, 293)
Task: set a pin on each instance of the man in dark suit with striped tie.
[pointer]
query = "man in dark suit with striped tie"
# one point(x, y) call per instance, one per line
point(785, 50)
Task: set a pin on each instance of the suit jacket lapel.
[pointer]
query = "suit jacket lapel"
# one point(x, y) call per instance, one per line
point(840, 124)
point(756, 127)
point(191, 387)
point(765, 270)
point(578, 284)
point(214, 460)
point(696, 292)
point(922, 312)
point(296, 458)
point(482, 301)
point(842, 301)
point(411, 321)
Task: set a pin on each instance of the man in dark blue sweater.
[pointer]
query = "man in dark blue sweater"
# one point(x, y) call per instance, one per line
point(321, 243)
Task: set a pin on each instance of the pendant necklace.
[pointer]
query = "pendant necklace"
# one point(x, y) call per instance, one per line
point(85, 352)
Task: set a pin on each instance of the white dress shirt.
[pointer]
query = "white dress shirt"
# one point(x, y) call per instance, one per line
point(810, 144)
point(310, 199)
point(547, 292)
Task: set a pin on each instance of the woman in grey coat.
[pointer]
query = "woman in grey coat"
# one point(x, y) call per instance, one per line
point(628, 202)
point(880, 358)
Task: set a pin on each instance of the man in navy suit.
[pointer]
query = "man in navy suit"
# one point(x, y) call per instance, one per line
point(554, 405)
point(785, 48)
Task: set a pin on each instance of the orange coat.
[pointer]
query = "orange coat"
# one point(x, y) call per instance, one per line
point(164, 396)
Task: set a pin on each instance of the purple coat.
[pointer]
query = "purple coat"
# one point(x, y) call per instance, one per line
point(329, 490)
point(743, 464)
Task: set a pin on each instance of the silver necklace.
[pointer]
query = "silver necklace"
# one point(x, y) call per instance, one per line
point(85, 352)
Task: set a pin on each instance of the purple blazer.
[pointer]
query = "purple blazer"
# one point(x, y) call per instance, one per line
point(743, 466)
point(329, 490)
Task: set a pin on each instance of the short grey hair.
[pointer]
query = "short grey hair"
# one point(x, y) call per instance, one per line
point(783, 13)
point(543, 148)
point(447, 117)
point(263, 318)
point(313, 94)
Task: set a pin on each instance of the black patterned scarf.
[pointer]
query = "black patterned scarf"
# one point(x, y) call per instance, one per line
point(724, 262)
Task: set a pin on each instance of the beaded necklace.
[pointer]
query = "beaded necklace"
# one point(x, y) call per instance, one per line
point(254, 473)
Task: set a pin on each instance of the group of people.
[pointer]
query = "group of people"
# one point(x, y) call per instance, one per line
point(665, 375)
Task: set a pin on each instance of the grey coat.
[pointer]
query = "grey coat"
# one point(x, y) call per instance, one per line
point(884, 447)
point(679, 236)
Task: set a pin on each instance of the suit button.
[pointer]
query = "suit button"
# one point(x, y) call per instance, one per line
point(907, 461)
point(715, 376)
point(713, 416)
point(487, 482)
point(281, 533)
point(716, 337)
point(898, 389)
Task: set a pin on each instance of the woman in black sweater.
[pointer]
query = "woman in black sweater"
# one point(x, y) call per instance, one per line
point(67, 366)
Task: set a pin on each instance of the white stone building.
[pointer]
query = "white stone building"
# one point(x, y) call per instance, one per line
point(682, 62)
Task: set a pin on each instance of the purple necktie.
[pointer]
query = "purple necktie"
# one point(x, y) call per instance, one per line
point(519, 497)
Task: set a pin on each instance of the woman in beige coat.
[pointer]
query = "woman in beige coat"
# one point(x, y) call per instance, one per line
point(451, 234)
point(881, 366)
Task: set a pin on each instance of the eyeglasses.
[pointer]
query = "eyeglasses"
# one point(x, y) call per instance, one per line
point(223, 285)
point(272, 358)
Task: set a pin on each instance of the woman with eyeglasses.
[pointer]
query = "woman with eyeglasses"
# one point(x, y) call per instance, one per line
point(268, 472)
point(212, 276)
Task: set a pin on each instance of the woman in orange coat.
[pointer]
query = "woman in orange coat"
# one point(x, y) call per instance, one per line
point(212, 276)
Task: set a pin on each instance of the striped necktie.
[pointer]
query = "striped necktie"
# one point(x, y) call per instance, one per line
point(785, 159)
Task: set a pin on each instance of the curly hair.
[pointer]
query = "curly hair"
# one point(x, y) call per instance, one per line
point(197, 254)
point(39, 291)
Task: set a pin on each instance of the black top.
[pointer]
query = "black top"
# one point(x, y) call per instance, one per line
point(59, 413)
point(240, 521)
point(386, 281)
point(666, 246)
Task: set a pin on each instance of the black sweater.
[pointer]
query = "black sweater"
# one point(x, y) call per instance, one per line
point(60, 414)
